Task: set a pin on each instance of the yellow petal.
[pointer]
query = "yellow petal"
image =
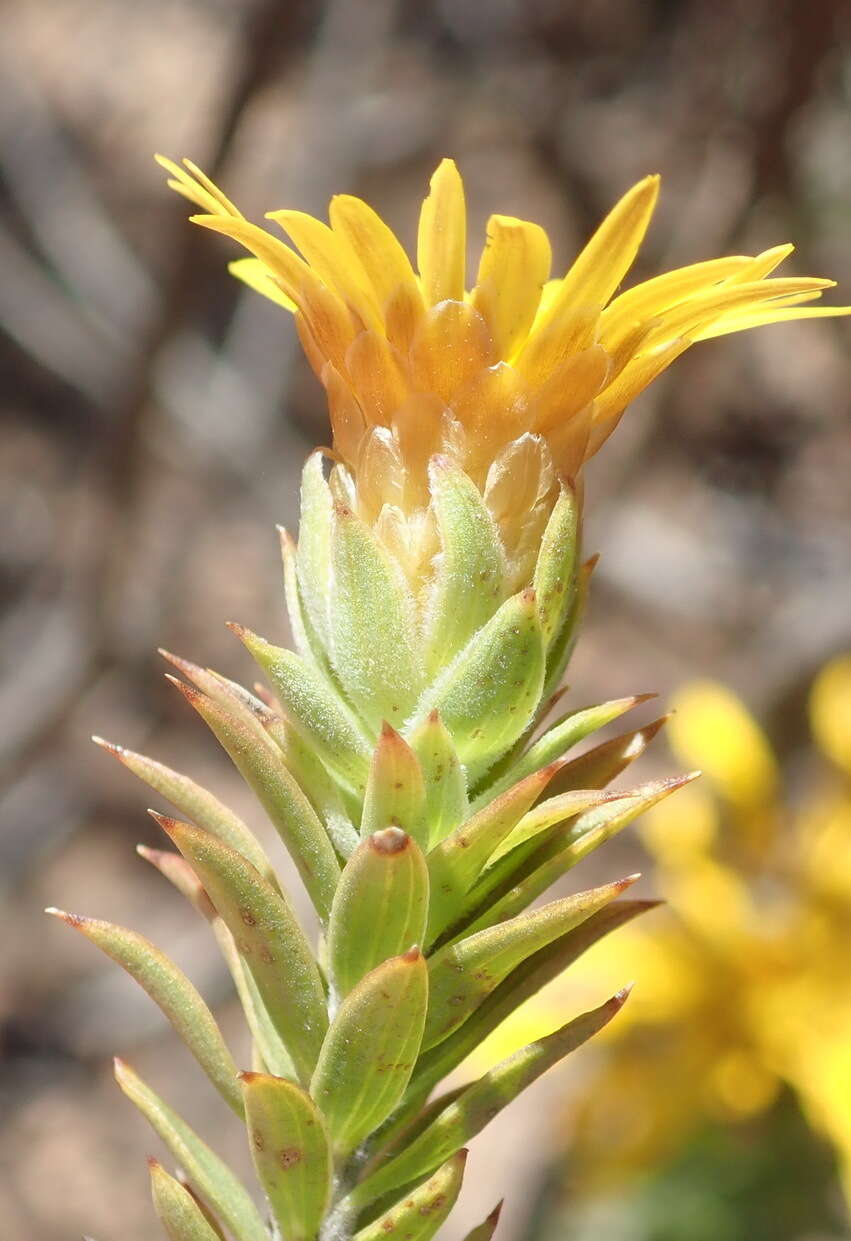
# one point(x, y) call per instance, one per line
point(570, 388)
point(550, 345)
point(830, 711)
point(513, 269)
point(701, 312)
point(610, 253)
point(442, 238)
point(258, 277)
point(277, 258)
point(654, 296)
point(379, 251)
point(377, 377)
point(493, 408)
point(347, 421)
point(451, 346)
point(634, 378)
point(760, 318)
point(333, 260)
point(711, 729)
point(195, 185)
point(765, 263)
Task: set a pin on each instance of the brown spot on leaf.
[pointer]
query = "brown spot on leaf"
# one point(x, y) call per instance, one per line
point(289, 1157)
point(248, 917)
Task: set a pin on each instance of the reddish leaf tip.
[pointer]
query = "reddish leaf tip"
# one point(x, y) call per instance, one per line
point(117, 750)
point(627, 881)
point(154, 1164)
point(235, 627)
point(389, 840)
point(529, 595)
point(71, 919)
point(493, 1218)
point(168, 824)
point(412, 955)
point(247, 1076)
point(433, 716)
point(189, 692)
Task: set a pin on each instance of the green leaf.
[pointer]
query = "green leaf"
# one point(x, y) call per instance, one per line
point(210, 1175)
point(468, 582)
point(372, 609)
point(178, 1212)
point(419, 1215)
point(530, 875)
point(480, 1103)
point(456, 863)
point(261, 764)
point(522, 983)
point(180, 874)
point(319, 714)
point(313, 555)
point(324, 793)
point(560, 737)
point(233, 698)
point(370, 1050)
point(549, 812)
point(307, 642)
point(487, 696)
point(291, 1153)
point(267, 1041)
point(395, 790)
point(558, 656)
point(599, 766)
point(195, 802)
point(380, 906)
point(269, 939)
point(172, 991)
point(462, 974)
point(485, 1230)
point(446, 802)
point(555, 570)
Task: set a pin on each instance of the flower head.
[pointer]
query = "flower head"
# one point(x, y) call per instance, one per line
point(508, 373)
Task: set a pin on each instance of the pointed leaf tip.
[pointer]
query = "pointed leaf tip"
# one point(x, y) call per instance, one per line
point(109, 746)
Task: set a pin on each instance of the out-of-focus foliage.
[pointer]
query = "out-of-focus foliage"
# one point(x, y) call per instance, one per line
point(742, 1010)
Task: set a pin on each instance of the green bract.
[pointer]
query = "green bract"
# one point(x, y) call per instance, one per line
point(403, 757)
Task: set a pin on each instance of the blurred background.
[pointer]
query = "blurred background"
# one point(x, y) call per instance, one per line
point(155, 416)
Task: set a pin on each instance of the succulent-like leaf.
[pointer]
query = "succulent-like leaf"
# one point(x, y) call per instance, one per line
point(463, 973)
point(599, 766)
point(559, 738)
point(370, 1050)
point(261, 764)
point(380, 906)
point(291, 1153)
point(268, 937)
point(526, 877)
point(319, 714)
point(487, 696)
point(180, 874)
point(547, 813)
point(325, 795)
point(172, 991)
point(374, 650)
point(195, 802)
point(564, 641)
point(207, 1172)
point(467, 586)
point(481, 1102)
point(522, 983)
point(457, 861)
point(267, 1042)
point(307, 642)
point(419, 1214)
point(446, 801)
point(313, 555)
point(234, 698)
point(395, 790)
point(485, 1230)
point(555, 570)
point(177, 1211)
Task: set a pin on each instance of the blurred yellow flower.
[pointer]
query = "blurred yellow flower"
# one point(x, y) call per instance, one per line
point(744, 982)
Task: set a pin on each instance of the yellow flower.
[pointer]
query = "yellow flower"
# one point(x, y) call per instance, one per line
point(520, 374)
